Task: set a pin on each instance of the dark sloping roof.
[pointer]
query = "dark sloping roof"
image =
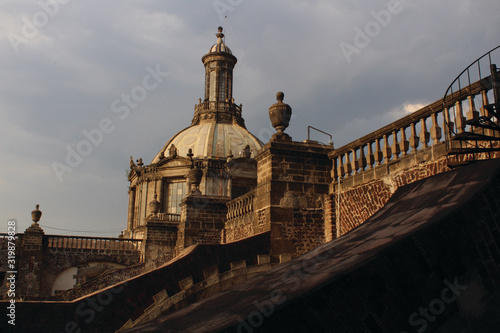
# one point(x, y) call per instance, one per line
point(411, 210)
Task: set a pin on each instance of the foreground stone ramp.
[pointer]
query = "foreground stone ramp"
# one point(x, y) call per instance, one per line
point(198, 272)
point(428, 261)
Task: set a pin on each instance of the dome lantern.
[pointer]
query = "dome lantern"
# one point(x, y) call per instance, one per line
point(217, 126)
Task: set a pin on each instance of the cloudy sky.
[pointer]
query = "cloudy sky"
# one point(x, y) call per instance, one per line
point(66, 65)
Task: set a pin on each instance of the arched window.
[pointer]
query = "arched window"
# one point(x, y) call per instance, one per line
point(213, 85)
point(222, 86)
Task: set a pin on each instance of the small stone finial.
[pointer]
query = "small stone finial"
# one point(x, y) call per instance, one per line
point(36, 214)
point(220, 35)
point(139, 162)
point(132, 164)
point(280, 96)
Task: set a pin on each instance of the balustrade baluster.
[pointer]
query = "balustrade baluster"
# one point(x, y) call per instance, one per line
point(387, 150)
point(424, 134)
point(370, 159)
point(395, 145)
point(459, 117)
point(341, 170)
point(362, 158)
point(435, 130)
point(414, 139)
point(378, 153)
point(472, 113)
point(404, 145)
point(348, 167)
point(484, 98)
point(354, 163)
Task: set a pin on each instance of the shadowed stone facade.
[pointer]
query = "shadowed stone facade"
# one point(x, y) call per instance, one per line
point(217, 207)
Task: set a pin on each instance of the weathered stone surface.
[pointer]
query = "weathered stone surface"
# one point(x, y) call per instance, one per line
point(419, 250)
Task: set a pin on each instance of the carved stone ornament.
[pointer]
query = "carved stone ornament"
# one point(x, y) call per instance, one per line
point(280, 114)
point(154, 206)
point(172, 151)
point(132, 164)
point(246, 153)
point(195, 176)
point(36, 214)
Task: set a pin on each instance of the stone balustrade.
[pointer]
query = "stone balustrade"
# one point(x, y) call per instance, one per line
point(425, 128)
point(217, 105)
point(92, 243)
point(167, 217)
point(241, 206)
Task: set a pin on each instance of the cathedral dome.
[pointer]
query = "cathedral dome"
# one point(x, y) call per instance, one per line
point(212, 140)
point(217, 126)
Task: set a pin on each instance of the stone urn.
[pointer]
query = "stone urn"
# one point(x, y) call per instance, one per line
point(280, 114)
point(194, 179)
point(36, 214)
point(154, 206)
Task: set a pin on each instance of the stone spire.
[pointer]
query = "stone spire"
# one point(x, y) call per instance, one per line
point(218, 105)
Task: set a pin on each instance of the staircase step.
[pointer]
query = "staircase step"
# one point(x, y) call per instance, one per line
point(483, 122)
point(492, 109)
point(470, 136)
point(461, 151)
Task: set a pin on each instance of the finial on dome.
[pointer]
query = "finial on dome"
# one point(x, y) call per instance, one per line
point(220, 34)
point(280, 96)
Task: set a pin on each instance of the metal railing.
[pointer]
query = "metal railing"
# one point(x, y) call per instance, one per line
point(484, 71)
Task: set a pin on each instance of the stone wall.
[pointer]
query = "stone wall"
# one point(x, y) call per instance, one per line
point(202, 221)
point(363, 194)
point(240, 227)
point(306, 230)
point(292, 180)
point(160, 238)
point(360, 202)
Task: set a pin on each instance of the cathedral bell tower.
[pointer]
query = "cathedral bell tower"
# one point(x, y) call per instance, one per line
point(218, 105)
